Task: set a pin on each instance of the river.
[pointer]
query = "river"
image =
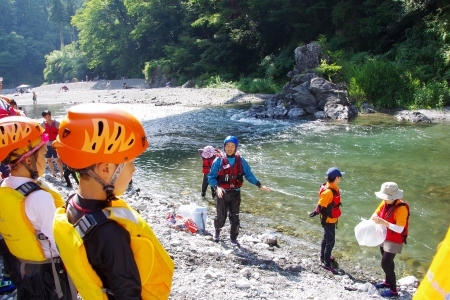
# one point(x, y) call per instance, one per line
point(292, 158)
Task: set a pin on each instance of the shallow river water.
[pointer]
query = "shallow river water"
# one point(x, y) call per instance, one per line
point(292, 158)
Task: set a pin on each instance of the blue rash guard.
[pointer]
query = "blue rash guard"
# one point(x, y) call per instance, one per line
point(217, 165)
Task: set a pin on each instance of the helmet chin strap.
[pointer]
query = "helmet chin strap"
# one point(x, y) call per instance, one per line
point(108, 187)
point(33, 169)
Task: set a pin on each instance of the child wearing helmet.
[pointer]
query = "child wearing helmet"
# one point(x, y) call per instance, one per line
point(95, 228)
point(226, 176)
point(27, 210)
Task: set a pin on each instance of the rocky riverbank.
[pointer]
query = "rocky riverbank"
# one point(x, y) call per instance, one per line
point(259, 269)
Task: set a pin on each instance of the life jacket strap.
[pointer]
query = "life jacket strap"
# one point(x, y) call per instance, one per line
point(86, 224)
point(28, 187)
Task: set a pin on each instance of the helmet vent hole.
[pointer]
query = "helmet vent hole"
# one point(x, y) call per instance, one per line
point(100, 128)
point(131, 142)
point(66, 132)
point(2, 129)
point(109, 147)
point(93, 146)
point(119, 131)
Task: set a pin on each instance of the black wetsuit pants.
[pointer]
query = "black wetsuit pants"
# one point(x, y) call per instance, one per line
point(229, 203)
point(67, 173)
point(205, 186)
point(9, 261)
point(38, 282)
point(328, 240)
point(388, 265)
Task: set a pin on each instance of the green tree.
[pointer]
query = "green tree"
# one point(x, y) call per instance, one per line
point(58, 15)
point(66, 64)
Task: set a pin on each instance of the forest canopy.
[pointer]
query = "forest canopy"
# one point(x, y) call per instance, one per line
point(245, 42)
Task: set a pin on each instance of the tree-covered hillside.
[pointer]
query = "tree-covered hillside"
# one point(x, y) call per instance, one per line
point(246, 41)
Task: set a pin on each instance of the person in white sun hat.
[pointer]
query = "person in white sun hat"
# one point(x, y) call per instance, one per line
point(392, 212)
point(208, 155)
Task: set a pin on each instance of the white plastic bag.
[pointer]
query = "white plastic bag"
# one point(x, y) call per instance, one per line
point(368, 233)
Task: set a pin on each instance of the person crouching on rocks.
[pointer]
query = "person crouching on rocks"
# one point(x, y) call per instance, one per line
point(227, 176)
point(394, 214)
point(27, 209)
point(109, 250)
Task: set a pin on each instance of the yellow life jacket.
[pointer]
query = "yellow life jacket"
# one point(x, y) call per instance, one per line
point(154, 263)
point(436, 283)
point(20, 236)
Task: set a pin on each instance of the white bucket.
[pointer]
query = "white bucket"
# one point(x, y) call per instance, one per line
point(196, 213)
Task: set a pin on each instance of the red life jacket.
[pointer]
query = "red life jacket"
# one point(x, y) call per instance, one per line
point(6, 110)
point(207, 162)
point(333, 209)
point(387, 213)
point(230, 177)
point(52, 131)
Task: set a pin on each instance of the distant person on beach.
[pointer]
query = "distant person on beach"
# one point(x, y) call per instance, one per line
point(329, 210)
point(108, 85)
point(392, 212)
point(27, 209)
point(107, 247)
point(208, 155)
point(51, 127)
point(125, 85)
point(34, 98)
point(227, 177)
point(64, 88)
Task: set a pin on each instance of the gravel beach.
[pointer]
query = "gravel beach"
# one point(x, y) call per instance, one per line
point(260, 269)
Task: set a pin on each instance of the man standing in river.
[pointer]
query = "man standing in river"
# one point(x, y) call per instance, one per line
point(226, 177)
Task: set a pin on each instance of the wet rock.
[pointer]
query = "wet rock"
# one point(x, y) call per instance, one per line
point(412, 116)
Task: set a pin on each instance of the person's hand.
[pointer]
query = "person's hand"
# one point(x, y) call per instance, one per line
point(380, 221)
point(219, 192)
point(265, 188)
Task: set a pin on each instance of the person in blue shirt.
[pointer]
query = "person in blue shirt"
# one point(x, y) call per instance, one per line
point(226, 177)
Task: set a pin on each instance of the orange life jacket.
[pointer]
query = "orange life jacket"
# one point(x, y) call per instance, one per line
point(333, 209)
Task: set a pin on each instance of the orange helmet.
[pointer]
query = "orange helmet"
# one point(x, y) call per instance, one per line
point(19, 135)
point(98, 132)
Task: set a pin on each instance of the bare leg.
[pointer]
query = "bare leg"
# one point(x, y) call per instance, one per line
point(60, 167)
point(50, 165)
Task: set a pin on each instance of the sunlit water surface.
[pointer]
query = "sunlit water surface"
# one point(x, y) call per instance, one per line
point(292, 158)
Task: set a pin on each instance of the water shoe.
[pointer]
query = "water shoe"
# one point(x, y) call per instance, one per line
point(235, 243)
point(216, 235)
point(382, 285)
point(6, 286)
point(389, 294)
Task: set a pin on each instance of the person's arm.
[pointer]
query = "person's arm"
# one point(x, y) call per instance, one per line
point(248, 174)
point(214, 172)
point(109, 253)
point(401, 215)
point(325, 199)
point(40, 210)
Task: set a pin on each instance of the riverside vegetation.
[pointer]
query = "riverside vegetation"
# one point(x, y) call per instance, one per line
point(388, 53)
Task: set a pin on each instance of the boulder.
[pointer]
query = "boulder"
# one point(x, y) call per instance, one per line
point(308, 57)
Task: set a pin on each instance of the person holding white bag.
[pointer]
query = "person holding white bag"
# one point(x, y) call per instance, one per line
point(392, 212)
